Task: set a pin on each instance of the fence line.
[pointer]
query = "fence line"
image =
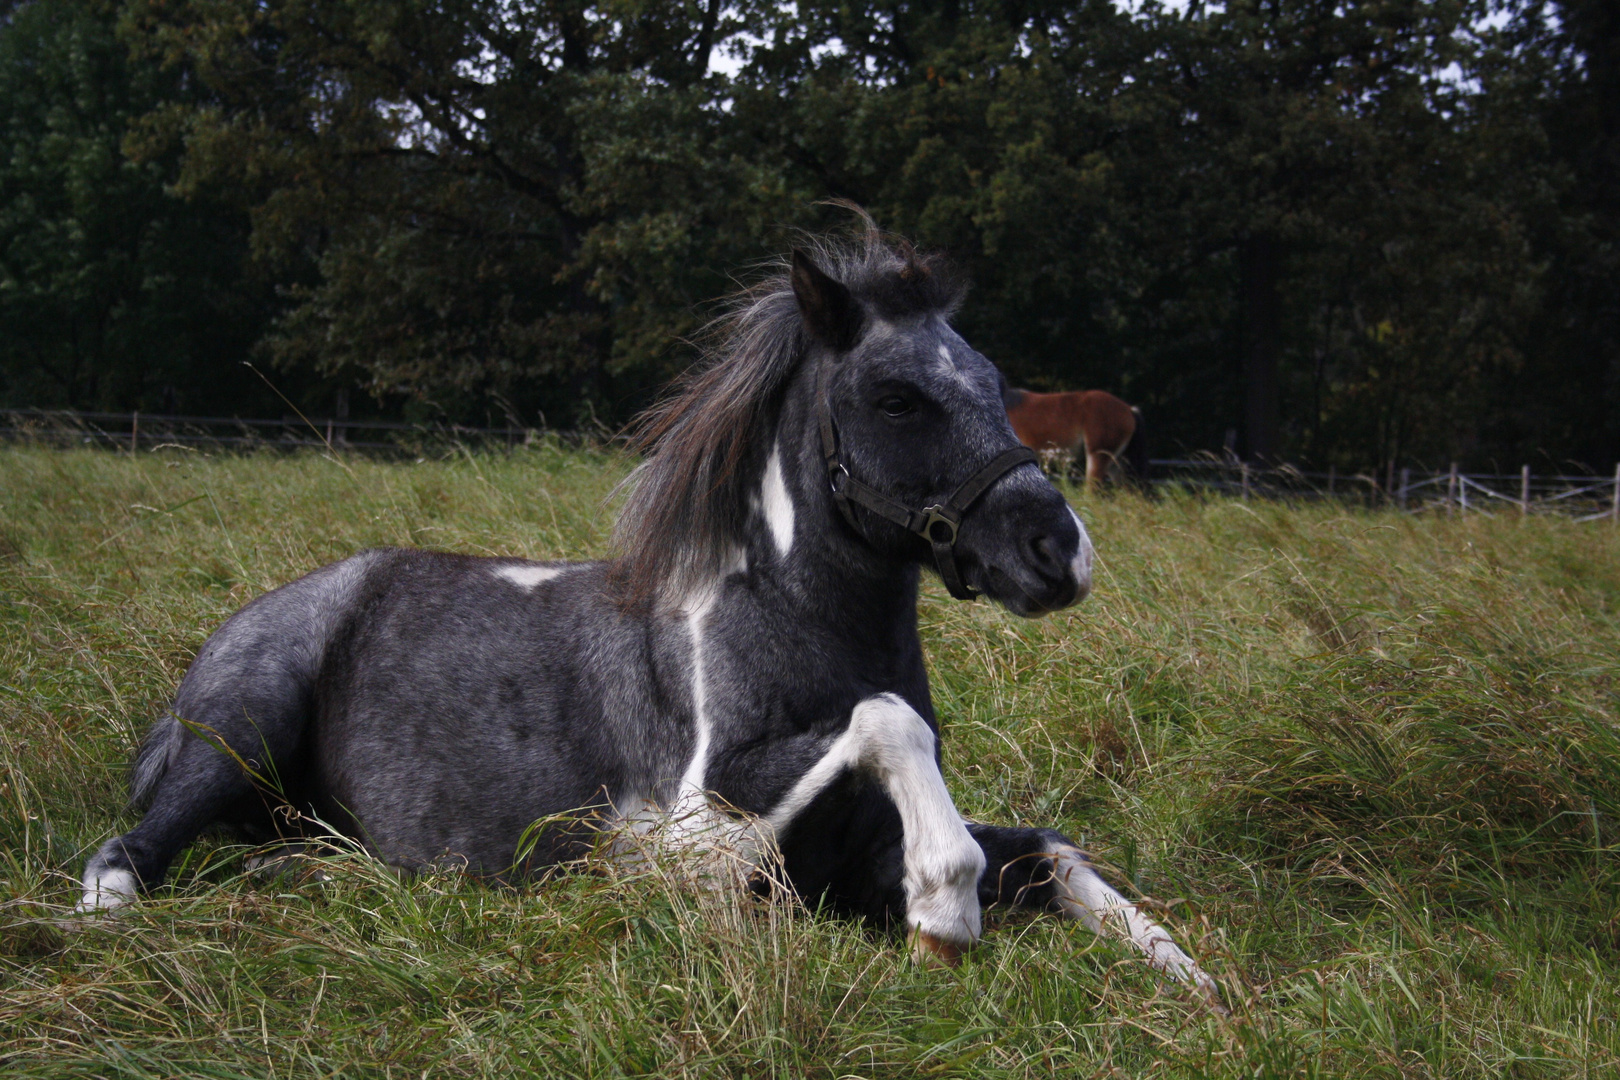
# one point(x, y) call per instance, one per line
point(1585, 496)
point(133, 430)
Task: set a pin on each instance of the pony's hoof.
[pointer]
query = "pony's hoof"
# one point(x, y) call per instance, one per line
point(932, 951)
point(1209, 996)
point(106, 889)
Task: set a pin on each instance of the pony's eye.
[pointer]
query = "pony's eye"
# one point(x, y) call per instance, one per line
point(895, 405)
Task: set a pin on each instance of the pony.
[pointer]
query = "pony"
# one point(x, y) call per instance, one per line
point(748, 661)
point(1090, 422)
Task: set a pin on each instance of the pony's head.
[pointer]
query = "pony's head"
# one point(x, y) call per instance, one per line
point(913, 420)
point(901, 441)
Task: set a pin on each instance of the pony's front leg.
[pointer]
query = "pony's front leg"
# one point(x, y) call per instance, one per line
point(942, 864)
point(1045, 870)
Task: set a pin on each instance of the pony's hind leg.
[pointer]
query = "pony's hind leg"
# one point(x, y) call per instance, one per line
point(1044, 870)
point(201, 778)
point(235, 731)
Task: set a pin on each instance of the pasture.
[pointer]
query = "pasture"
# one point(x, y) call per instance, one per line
point(1368, 763)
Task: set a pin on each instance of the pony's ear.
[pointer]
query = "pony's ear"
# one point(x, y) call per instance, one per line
point(829, 311)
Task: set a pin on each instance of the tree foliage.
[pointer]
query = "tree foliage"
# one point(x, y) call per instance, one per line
point(1347, 231)
point(112, 291)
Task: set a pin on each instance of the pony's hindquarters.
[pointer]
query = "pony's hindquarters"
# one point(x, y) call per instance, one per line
point(476, 697)
point(236, 727)
point(433, 706)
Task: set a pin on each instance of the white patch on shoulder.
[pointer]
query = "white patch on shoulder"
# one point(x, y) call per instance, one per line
point(1080, 566)
point(776, 504)
point(943, 863)
point(1082, 894)
point(526, 576)
point(106, 888)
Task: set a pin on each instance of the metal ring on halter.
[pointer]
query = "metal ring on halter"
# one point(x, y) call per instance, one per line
point(935, 515)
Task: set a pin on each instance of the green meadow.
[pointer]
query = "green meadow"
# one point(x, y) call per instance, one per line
point(1365, 765)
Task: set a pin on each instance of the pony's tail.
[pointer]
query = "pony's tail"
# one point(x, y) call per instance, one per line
point(1136, 455)
point(152, 760)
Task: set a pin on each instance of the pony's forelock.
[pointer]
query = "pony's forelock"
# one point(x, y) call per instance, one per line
point(706, 443)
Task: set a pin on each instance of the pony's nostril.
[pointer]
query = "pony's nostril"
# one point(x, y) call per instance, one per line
point(1046, 556)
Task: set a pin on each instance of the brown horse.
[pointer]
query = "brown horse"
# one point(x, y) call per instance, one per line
point(1093, 422)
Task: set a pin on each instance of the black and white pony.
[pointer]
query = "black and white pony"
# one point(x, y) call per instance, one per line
point(752, 650)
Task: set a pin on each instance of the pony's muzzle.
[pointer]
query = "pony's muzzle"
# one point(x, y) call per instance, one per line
point(1070, 575)
point(1033, 555)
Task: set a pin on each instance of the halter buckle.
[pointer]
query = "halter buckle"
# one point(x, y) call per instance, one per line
point(935, 516)
point(832, 477)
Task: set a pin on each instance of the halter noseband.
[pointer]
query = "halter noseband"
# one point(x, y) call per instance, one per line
point(936, 524)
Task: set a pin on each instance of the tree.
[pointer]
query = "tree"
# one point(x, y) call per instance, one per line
point(1346, 230)
point(1282, 218)
point(1555, 70)
point(518, 202)
point(112, 293)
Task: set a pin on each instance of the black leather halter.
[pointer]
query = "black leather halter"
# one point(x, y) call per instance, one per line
point(938, 523)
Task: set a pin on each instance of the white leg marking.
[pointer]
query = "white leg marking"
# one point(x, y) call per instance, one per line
point(690, 814)
point(1084, 895)
point(696, 608)
point(777, 504)
point(526, 577)
point(943, 863)
point(698, 765)
point(105, 887)
point(1080, 566)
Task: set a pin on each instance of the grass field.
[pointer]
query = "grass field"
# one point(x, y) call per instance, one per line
point(1371, 762)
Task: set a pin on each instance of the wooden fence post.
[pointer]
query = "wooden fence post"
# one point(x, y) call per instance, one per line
point(1245, 481)
point(1332, 476)
point(1406, 483)
point(1451, 490)
point(134, 430)
point(1524, 490)
point(1614, 509)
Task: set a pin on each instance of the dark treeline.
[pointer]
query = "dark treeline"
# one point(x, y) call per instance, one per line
point(1336, 233)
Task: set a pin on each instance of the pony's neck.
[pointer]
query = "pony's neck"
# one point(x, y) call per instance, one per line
point(804, 546)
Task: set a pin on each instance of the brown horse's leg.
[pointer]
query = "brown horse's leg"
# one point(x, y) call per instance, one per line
point(1099, 467)
point(1108, 425)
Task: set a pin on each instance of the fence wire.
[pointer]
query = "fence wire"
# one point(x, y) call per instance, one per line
point(1586, 497)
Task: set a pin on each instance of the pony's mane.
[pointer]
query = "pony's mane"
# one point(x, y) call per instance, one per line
point(707, 442)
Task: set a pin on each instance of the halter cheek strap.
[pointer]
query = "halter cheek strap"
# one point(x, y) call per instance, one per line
point(938, 524)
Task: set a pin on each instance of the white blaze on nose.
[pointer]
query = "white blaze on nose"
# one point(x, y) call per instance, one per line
point(1080, 566)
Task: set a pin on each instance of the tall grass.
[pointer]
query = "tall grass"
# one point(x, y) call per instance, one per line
point(1366, 763)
